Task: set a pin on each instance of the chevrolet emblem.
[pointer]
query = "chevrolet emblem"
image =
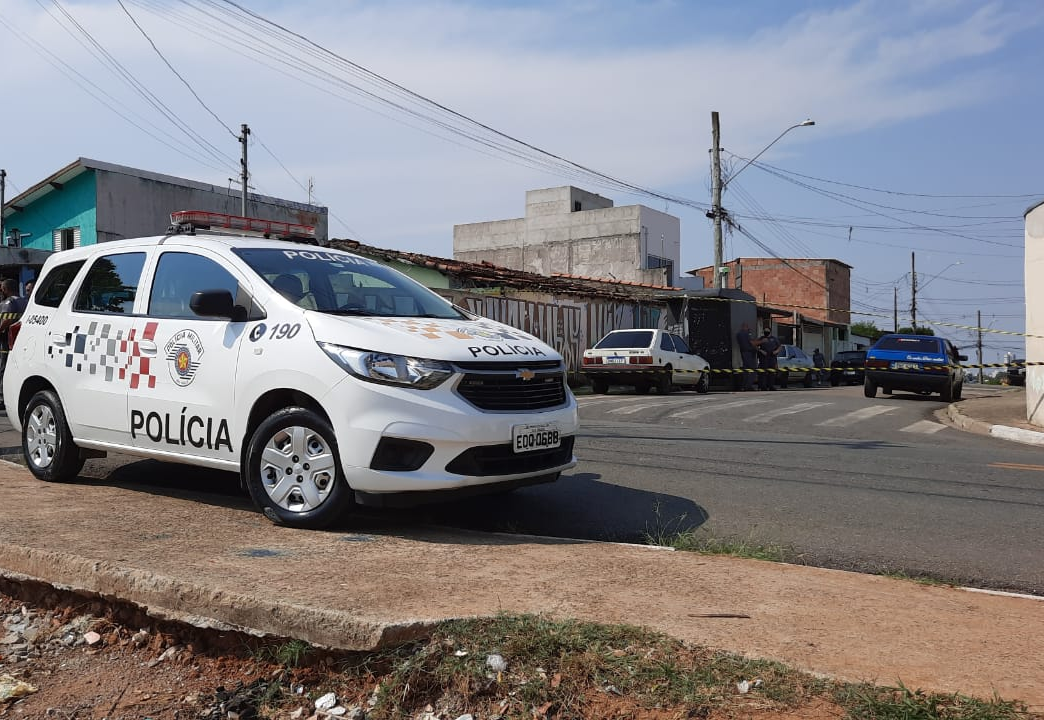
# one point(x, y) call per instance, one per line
point(525, 374)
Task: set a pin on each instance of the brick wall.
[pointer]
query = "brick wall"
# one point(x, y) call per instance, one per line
point(814, 283)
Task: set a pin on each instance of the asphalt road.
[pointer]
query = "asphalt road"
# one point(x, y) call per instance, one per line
point(834, 478)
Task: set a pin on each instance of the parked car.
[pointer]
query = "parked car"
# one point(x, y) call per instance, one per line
point(1017, 374)
point(797, 364)
point(645, 359)
point(915, 363)
point(278, 360)
point(847, 367)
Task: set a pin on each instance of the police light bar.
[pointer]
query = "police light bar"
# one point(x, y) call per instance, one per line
point(269, 228)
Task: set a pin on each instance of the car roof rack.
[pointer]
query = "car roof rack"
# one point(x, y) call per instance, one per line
point(187, 222)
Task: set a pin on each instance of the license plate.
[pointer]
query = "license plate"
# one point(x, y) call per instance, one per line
point(615, 360)
point(849, 372)
point(905, 366)
point(526, 438)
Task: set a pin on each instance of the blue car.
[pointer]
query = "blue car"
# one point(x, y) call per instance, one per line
point(922, 364)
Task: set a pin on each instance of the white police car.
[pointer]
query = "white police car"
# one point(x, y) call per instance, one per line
point(322, 377)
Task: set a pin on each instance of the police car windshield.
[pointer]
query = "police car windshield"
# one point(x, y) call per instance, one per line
point(340, 283)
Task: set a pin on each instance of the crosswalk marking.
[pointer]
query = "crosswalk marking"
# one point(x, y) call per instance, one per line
point(925, 427)
point(789, 410)
point(857, 416)
point(693, 412)
point(645, 406)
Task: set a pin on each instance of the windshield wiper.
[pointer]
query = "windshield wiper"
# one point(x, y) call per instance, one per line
point(352, 311)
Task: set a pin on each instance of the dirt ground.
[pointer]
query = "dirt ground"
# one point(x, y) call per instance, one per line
point(69, 660)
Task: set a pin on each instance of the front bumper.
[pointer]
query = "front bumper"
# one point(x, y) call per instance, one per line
point(469, 447)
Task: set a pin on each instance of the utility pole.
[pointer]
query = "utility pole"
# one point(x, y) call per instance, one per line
point(895, 309)
point(3, 187)
point(716, 196)
point(978, 326)
point(913, 293)
point(245, 175)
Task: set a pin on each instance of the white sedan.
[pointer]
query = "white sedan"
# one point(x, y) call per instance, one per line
point(645, 358)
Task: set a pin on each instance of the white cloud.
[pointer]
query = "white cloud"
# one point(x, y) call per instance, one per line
point(636, 111)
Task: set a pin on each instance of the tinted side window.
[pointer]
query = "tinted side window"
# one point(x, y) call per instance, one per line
point(111, 284)
point(178, 276)
point(679, 344)
point(53, 287)
point(665, 343)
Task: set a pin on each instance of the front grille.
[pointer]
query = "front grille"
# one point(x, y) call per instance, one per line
point(503, 460)
point(507, 390)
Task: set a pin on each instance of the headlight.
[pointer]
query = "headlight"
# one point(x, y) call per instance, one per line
point(389, 369)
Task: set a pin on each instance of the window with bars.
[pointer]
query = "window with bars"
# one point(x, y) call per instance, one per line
point(65, 238)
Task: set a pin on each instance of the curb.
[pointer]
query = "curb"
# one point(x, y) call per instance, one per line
point(1004, 432)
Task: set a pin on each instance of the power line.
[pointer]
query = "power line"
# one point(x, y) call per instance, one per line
point(896, 192)
point(176, 73)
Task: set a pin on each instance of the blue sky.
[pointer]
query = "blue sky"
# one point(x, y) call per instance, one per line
point(925, 101)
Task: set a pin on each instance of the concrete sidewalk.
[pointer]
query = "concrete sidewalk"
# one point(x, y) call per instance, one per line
point(214, 562)
point(996, 411)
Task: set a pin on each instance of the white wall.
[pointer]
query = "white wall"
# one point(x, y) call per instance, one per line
point(1035, 314)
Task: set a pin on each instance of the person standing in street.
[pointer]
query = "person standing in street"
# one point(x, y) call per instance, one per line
point(749, 356)
point(768, 349)
point(11, 308)
point(820, 362)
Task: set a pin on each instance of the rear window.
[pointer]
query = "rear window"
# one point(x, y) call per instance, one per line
point(626, 339)
point(922, 345)
point(850, 356)
point(53, 287)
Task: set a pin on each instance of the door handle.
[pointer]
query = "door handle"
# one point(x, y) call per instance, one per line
point(147, 347)
point(61, 339)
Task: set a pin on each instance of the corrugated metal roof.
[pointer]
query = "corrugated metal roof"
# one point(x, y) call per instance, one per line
point(486, 274)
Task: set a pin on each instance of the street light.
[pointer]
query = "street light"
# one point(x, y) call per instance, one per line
point(716, 212)
point(913, 286)
point(933, 277)
point(804, 123)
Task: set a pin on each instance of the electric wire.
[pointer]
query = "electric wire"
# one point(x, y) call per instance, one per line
point(109, 101)
point(99, 52)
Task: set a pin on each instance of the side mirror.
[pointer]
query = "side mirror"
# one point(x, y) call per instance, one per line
point(216, 303)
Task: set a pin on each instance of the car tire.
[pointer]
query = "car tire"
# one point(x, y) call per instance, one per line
point(781, 378)
point(834, 382)
point(642, 388)
point(947, 392)
point(664, 384)
point(703, 386)
point(869, 388)
point(50, 451)
point(293, 470)
point(599, 387)
point(957, 393)
point(807, 382)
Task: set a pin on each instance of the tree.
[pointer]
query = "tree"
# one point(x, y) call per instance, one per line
point(916, 331)
point(867, 330)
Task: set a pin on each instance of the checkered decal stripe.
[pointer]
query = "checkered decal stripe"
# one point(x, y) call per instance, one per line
point(99, 350)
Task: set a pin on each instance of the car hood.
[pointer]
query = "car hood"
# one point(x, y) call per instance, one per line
point(456, 340)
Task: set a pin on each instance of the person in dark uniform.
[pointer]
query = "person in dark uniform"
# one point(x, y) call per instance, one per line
point(768, 348)
point(749, 355)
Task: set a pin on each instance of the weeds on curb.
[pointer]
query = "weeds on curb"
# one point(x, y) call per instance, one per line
point(675, 534)
point(867, 702)
point(571, 669)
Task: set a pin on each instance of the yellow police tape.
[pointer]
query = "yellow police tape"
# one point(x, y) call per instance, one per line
point(631, 370)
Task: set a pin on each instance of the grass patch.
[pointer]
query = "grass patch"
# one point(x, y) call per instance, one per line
point(867, 702)
point(291, 654)
point(679, 534)
point(587, 671)
point(919, 579)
